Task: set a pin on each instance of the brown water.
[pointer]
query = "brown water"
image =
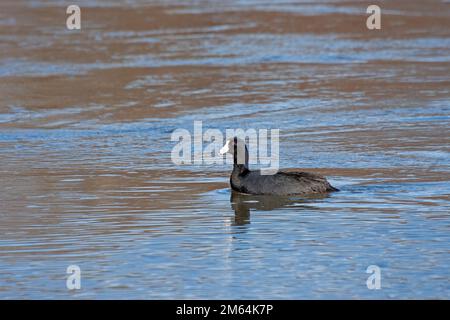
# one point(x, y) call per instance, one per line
point(86, 176)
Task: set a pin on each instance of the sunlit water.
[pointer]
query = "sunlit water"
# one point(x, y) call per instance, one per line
point(87, 179)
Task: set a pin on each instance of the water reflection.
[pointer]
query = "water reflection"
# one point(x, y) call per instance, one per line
point(242, 204)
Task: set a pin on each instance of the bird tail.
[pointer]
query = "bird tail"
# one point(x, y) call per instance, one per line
point(332, 189)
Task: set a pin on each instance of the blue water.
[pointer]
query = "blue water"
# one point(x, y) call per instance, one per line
point(86, 175)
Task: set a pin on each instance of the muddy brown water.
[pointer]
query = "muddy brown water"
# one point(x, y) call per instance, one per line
point(86, 176)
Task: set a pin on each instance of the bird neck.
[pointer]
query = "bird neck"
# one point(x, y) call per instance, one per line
point(240, 157)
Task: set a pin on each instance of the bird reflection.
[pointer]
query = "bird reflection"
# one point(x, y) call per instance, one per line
point(243, 203)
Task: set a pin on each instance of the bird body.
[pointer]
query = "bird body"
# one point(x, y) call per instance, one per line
point(282, 183)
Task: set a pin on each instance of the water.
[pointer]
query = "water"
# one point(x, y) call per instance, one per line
point(86, 175)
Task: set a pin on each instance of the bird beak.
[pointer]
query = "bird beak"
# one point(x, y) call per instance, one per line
point(223, 150)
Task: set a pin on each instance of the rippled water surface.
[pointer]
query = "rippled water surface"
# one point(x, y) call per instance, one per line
point(86, 176)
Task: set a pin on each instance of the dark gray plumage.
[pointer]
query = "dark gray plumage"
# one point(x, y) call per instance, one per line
point(282, 183)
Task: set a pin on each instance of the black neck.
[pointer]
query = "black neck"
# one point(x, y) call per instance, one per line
point(240, 167)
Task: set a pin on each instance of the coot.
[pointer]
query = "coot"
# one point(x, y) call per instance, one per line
point(281, 183)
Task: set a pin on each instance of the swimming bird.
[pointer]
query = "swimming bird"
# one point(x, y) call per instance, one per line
point(282, 183)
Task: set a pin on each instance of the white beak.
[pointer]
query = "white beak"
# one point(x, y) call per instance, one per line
point(224, 149)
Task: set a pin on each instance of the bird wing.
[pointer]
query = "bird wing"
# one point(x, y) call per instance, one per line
point(315, 182)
